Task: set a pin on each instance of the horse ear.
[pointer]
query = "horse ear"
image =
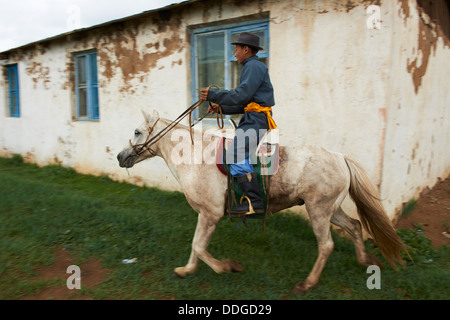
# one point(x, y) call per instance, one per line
point(146, 116)
point(155, 114)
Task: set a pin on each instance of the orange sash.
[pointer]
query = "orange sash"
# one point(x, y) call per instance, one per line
point(254, 107)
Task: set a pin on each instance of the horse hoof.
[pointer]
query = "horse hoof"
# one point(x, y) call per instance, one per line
point(300, 288)
point(179, 273)
point(232, 266)
point(371, 260)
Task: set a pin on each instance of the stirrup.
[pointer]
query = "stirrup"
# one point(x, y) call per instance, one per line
point(243, 213)
point(250, 207)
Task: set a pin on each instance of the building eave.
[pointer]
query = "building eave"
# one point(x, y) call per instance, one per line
point(35, 44)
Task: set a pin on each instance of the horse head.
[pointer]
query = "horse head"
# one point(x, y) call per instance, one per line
point(139, 149)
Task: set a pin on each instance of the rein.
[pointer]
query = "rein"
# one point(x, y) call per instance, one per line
point(150, 141)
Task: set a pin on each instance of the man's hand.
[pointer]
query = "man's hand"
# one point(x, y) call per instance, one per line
point(214, 108)
point(204, 94)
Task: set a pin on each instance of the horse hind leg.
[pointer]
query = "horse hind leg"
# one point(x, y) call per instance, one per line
point(320, 221)
point(353, 227)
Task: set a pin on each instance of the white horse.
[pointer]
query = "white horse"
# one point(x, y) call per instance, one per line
point(319, 178)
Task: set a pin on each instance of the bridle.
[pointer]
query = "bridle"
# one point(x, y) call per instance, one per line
point(150, 141)
point(141, 148)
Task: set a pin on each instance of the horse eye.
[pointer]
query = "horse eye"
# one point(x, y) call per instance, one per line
point(136, 132)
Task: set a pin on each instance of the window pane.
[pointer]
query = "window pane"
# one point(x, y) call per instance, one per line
point(87, 86)
point(94, 103)
point(12, 78)
point(13, 105)
point(81, 70)
point(264, 60)
point(211, 62)
point(236, 69)
point(214, 59)
point(93, 70)
point(82, 102)
point(13, 91)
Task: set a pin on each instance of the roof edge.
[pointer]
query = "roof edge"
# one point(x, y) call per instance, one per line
point(100, 25)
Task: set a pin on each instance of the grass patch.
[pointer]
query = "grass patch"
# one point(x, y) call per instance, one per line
point(408, 208)
point(43, 209)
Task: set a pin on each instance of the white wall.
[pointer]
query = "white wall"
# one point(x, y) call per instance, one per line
point(417, 148)
point(337, 84)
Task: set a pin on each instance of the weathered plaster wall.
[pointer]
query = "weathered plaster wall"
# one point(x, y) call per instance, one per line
point(416, 151)
point(141, 65)
point(381, 96)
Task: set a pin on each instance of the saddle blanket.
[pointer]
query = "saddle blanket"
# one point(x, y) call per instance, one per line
point(267, 162)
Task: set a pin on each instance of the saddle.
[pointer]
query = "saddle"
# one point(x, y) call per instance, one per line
point(265, 163)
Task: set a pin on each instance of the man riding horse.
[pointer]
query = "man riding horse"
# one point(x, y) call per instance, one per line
point(320, 178)
point(254, 98)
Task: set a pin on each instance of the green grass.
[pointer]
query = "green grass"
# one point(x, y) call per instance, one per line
point(408, 208)
point(43, 209)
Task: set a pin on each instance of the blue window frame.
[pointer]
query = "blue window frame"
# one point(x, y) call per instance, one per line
point(86, 86)
point(13, 91)
point(213, 60)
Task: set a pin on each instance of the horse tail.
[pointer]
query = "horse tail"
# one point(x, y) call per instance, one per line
point(373, 216)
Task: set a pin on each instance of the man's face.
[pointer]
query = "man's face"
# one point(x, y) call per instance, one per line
point(241, 53)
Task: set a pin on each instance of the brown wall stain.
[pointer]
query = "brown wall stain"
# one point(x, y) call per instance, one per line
point(439, 13)
point(28, 52)
point(381, 146)
point(342, 6)
point(427, 40)
point(418, 67)
point(429, 31)
point(69, 73)
point(37, 72)
point(404, 7)
point(118, 48)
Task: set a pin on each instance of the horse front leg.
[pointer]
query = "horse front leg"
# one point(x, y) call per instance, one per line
point(206, 226)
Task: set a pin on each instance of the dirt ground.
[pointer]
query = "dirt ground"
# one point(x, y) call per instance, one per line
point(431, 216)
point(92, 274)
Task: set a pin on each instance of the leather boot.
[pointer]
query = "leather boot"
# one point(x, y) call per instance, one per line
point(250, 187)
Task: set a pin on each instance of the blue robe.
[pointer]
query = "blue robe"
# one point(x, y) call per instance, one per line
point(255, 86)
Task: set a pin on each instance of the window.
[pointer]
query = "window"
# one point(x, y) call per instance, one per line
point(13, 91)
point(213, 60)
point(86, 86)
